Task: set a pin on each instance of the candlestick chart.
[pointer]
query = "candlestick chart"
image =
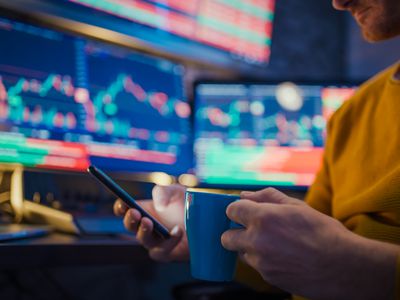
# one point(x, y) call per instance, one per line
point(260, 117)
point(70, 102)
point(262, 134)
point(21, 102)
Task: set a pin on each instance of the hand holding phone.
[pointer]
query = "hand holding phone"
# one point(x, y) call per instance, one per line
point(103, 178)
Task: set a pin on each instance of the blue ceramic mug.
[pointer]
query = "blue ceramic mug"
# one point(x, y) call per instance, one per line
point(205, 222)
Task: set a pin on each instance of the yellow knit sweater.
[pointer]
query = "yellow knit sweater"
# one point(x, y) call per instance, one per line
point(359, 182)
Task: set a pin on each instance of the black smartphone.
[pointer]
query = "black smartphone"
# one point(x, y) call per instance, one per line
point(160, 229)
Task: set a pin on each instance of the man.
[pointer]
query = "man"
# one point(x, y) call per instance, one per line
point(342, 244)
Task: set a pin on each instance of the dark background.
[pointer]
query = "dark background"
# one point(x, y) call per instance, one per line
point(311, 41)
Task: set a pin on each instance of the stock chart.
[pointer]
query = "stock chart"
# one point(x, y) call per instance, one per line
point(262, 133)
point(240, 28)
point(66, 102)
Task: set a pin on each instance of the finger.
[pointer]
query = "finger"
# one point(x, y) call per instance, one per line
point(163, 251)
point(162, 195)
point(270, 195)
point(244, 256)
point(147, 205)
point(241, 256)
point(120, 208)
point(242, 211)
point(234, 240)
point(132, 219)
point(145, 234)
point(252, 259)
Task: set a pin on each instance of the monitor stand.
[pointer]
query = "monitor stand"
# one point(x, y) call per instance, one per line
point(70, 202)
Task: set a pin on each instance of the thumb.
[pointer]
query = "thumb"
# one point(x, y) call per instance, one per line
point(164, 195)
point(270, 195)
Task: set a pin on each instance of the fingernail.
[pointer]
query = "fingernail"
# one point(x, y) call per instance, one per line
point(175, 230)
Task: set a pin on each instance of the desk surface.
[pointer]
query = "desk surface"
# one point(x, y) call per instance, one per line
point(62, 250)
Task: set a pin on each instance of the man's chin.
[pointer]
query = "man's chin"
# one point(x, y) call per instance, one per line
point(378, 35)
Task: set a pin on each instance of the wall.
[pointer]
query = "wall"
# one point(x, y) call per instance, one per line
point(311, 40)
point(308, 41)
point(365, 59)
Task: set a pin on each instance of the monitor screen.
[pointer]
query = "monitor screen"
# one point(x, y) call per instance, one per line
point(262, 134)
point(226, 34)
point(67, 102)
point(238, 29)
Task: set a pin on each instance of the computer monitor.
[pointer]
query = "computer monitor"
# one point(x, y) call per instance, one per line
point(258, 134)
point(230, 34)
point(240, 28)
point(67, 101)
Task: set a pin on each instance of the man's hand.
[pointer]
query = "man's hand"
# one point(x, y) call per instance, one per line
point(168, 207)
point(308, 253)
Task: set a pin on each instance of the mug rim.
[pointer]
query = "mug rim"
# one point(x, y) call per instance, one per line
point(208, 193)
